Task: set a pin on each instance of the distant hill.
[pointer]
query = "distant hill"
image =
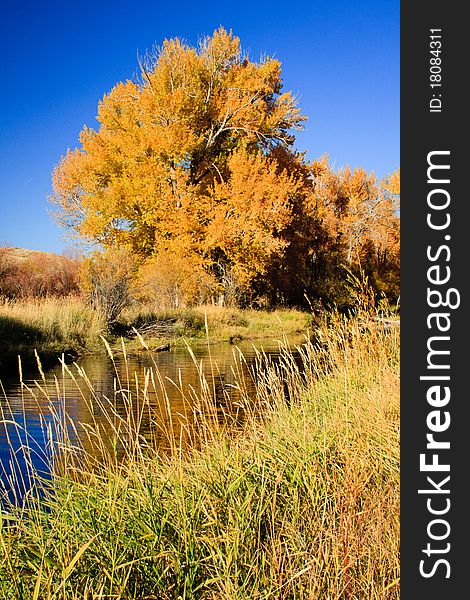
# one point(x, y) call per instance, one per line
point(32, 273)
point(22, 254)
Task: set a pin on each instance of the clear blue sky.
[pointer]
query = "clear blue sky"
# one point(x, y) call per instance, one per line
point(58, 58)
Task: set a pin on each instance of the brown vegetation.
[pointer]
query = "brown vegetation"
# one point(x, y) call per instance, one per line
point(32, 274)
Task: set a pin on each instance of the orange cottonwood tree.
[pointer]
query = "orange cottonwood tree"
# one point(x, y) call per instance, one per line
point(361, 215)
point(185, 162)
point(193, 173)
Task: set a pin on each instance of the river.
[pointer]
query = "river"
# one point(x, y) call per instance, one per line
point(146, 394)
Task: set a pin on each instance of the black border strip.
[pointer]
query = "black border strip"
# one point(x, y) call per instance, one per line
point(434, 224)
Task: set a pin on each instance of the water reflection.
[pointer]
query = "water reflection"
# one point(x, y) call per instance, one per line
point(148, 395)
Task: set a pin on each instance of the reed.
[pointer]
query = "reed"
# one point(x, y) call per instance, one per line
point(292, 494)
point(68, 325)
point(48, 325)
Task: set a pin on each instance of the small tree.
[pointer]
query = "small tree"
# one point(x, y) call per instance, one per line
point(106, 279)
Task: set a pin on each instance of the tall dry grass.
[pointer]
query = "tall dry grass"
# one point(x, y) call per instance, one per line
point(48, 324)
point(298, 499)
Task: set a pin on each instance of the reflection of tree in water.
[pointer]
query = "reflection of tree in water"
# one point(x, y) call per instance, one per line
point(150, 399)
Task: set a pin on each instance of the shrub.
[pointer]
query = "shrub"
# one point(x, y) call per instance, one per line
point(106, 280)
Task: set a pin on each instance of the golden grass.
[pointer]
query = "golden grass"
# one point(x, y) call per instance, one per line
point(187, 325)
point(49, 324)
point(56, 325)
point(300, 500)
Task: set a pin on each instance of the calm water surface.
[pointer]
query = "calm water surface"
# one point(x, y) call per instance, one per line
point(98, 387)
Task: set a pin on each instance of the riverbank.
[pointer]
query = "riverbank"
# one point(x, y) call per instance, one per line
point(200, 324)
point(301, 502)
point(53, 327)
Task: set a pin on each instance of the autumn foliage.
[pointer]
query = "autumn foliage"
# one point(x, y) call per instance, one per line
point(193, 173)
point(30, 274)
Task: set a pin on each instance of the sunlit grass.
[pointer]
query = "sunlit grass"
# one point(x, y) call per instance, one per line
point(48, 325)
point(56, 325)
point(183, 325)
point(299, 499)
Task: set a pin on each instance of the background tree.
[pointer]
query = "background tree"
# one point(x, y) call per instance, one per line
point(167, 281)
point(165, 169)
point(107, 279)
point(360, 216)
point(196, 161)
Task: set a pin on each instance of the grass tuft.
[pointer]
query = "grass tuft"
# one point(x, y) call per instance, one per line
point(50, 326)
point(298, 499)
